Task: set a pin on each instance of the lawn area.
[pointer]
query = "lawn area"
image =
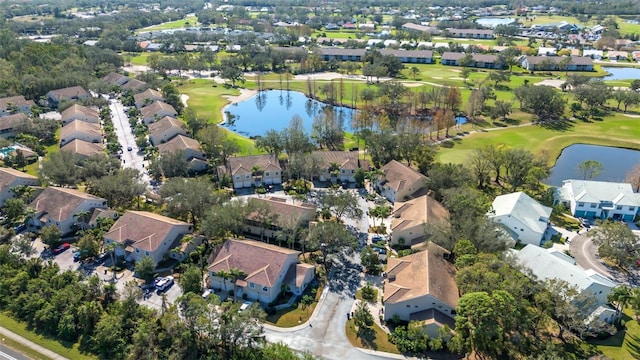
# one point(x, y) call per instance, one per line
point(189, 21)
point(617, 131)
point(377, 339)
point(287, 318)
point(138, 58)
point(625, 344)
point(67, 350)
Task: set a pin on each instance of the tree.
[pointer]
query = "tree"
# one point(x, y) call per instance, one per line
point(480, 165)
point(193, 121)
point(272, 142)
point(621, 296)
point(88, 245)
point(168, 165)
point(499, 77)
point(370, 260)
point(235, 275)
point(14, 209)
point(145, 268)
point(61, 168)
point(633, 178)
point(615, 241)
point(362, 318)
point(544, 102)
point(484, 323)
point(594, 94)
point(501, 109)
point(119, 188)
point(331, 237)
point(464, 74)
point(189, 199)
point(231, 71)
point(635, 85)
point(50, 235)
point(590, 169)
point(414, 72)
point(191, 280)
point(342, 203)
point(517, 163)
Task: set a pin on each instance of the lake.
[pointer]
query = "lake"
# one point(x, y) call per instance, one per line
point(273, 109)
point(616, 162)
point(493, 22)
point(621, 73)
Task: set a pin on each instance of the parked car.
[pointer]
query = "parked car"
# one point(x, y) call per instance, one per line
point(245, 305)
point(164, 283)
point(20, 228)
point(129, 148)
point(206, 293)
point(62, 248)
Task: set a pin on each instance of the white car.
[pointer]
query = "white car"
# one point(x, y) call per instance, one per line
point(245, 305)
point(164, 283)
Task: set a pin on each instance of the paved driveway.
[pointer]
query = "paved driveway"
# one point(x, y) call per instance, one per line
point(585, 252)
point(131, 159)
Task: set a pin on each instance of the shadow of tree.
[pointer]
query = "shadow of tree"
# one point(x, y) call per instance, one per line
point(558, 125)
point(368, 337)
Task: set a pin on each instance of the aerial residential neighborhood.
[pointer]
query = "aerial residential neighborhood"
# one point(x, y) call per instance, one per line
point(319, 180)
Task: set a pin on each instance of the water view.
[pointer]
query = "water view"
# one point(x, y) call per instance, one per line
point(616, 163)
point(621, 73)
point(493, 22)
point(273, 109)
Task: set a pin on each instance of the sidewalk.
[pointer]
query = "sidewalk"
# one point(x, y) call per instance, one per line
point(30, 344)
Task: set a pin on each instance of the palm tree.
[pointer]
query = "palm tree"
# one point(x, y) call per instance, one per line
point(235, 274)
point(634, 300)
point(23, 192)
point(225, 275)
point(621, 296)
point(83, 218)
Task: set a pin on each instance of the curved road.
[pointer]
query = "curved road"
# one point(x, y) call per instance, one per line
point(585, 252)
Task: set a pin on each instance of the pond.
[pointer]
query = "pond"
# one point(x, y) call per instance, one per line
point(616, 162)
point(622, 73)
point(273, 109)
point(493, 22)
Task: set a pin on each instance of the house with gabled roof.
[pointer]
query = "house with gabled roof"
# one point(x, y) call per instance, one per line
point(554, 63)
point(55, 97)
point(10, 124)
point(241, 169)
point(165, 129)
point(134, 85)
point(547, 264)
point(471, 33)
point(486, 61)
point(60, 206)
point(410, 218)
point(83, 149)
point(337, 165)
point(398, 182)
point(192, 151)
point(115, 79)
point(282, 215)
point(599, 199)
point(523, 218)
point(14, 104)
point(156, 111)
point(147, 97)
point(138, 234)
point(267, 270)
point(10, 178)
point(80, 130)
point(80, 112)
point(422, 287)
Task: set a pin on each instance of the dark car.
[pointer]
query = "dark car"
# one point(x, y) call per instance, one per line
point(129, 148)
point(20, 228)
point(62, 248)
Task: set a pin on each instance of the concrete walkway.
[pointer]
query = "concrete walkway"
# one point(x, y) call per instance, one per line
point(30, 344)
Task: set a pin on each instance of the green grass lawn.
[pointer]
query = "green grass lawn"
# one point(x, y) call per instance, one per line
point(618, 131)
point(293, 317)
point(376, 339)
point(189, 21)
point(625, 344)
point(138, 58)
point(67, 350)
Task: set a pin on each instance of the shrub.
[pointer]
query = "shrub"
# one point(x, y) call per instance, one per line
point(306, 301)
point(547, 244)
point(369, 293)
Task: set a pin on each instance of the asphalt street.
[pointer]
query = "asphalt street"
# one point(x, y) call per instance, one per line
point(134, 158)
point(7, 353)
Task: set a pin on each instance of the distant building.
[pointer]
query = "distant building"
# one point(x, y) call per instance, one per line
point(284, 216)
point(410, 218)
point(15, 104)
point(80, 130)
point(165, 129)
point(79, 112)
point(478, 60)
point(346, 163)
point(254, 170)
point(10, 178)
point(147, 97)
point(156, 111)
point(471, 33)
point(599, 199)
point(60, 206)
point(82, 148)
point(192, 151)
point(55, 97)
point(399, 182)
point(10, 124)
point(556, 63)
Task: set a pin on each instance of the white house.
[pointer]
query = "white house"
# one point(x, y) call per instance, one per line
point(594, 54)
point(60, 207)
point(267, 269)
point(422, 287)
point(147, 97)
point(599, 199)
point(13, 104)
point(399, 181)
point(345, 162)
point(192, 151)
point(165, 129)
point(546, 264)
point(156, 111)
point(523, 218)
point(139, 234)
point(10, 178)
point(284, 215)
point(79, 112)
point(80, 130)
point(55, 97)
point(547, 51)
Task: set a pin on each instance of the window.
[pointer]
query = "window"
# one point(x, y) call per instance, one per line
point(408, 306)
point(252, 285)
point(264, 288)
point(593, 205)
point(237, 177)
point(266, 174)
point(276, 173)
point(247, 176)
point(342, 171)
point(619, 207)
point(632, 208)
point(581, 204)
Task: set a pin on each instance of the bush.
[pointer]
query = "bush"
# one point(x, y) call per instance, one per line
point(369, 293)
point(306, 301)
point(547, 244)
